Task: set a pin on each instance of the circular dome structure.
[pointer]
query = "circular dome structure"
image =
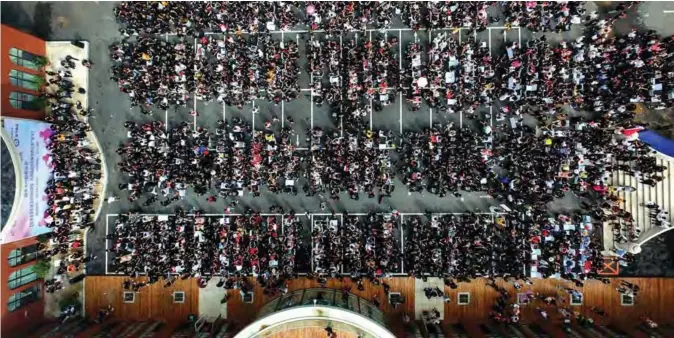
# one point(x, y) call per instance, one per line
point(8, 181)
point(305, 312)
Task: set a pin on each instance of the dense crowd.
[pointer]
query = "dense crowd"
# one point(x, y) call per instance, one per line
point(73, 189)
point(237, 71)
point(199, 18)
point(196, 18)
point(595, 72)
point(362, 246)
point(153, 71)
point(268, 247)
point(582, 93)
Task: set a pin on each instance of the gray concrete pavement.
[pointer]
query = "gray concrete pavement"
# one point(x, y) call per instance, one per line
point(94, 22)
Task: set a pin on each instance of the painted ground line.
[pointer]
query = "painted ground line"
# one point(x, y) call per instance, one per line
point(195, 87)
point(370, 98)
point(107, 231)
point(400, 66)
point(405, 29)
point(430, 110)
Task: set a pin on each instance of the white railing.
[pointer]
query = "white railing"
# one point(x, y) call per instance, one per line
point(324, 315)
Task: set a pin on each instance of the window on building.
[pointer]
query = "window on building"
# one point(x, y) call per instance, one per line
point(26, 80)
point(129, 297)
point(24, 297)
point(576, 299)
point(626, 300)
point(464, 298)
point(179, 297)
point(21, 100)
point(248, 298)
point(21, 277)
point(23, 255)
point(24, 59)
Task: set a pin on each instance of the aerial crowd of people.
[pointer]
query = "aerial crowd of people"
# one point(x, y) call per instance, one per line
point(357, 76)
point(176, 52)
point(74, 187)
point(197, 19)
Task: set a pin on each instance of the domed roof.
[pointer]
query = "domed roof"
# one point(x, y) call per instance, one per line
point(8, 183)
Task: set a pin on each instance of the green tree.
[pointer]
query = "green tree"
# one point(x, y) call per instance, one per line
point(41, 62)
point(42, 267)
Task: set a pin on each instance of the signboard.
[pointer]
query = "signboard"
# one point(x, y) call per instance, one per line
point(29, 139)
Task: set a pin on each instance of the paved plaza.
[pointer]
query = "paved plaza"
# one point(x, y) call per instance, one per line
point(95, 22)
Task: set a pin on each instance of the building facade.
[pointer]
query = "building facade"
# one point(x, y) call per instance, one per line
point(22, 58)
point(22, 292)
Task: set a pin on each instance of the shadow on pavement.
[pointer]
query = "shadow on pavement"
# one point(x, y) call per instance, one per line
point(15, 14)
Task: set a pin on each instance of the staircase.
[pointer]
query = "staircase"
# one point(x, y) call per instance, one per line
point(568, 332)
point(591, 331)
point(133, 330)
point(435, 331)
point(627, 330)
point(611, 332)
point(151, 330)
point(225, 331)
point(81, 326)
point(460, 331)
point(537, 331)
point(184, 331)
point(414, 331)
point(653, 333)
point(70, 327)
point(634, 203)
point(514, 330)
point(489, 331)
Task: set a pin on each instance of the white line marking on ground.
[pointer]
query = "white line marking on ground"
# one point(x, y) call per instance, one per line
point(341, 107)
point(301, 31)
point(460, 118)
point(107, 224)
point(430, 117)
point(311, 73)
point(400, 67)
point(519, 36)
point(195, 88)
point(166, 111)
point(400, 120)
point(252, 114)
point(430, 110)
point(668, 11)
point(370, 98)
point(283, 106)
point(341, 125)
point(491, 116)
point(311, 218)
point(491, 108)
point(402, 246)
point(283, 113)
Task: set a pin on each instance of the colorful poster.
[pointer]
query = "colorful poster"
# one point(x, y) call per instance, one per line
point(29, 139)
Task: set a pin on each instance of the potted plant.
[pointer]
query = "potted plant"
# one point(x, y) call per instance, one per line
point(42, 268)
point(39, 103)
point(44, 238)
point(41, 62)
